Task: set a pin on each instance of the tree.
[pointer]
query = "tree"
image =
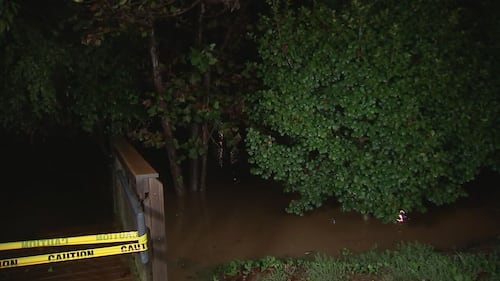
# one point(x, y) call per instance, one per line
point(382, 105)
point(173, 88)
point(8, 11)
point(49, 81)
point(190, 90)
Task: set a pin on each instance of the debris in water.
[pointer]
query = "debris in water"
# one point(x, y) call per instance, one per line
point(401, 216)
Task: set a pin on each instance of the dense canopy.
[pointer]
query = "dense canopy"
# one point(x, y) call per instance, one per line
point(382, 105)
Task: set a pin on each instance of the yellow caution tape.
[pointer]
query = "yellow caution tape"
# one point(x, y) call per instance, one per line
point(120, 237)
point(74, 255)
point(76, 240)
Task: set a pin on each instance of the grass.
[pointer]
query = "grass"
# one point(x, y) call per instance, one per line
point(409, 262)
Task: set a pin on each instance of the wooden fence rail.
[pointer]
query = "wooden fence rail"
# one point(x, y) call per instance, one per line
point(143, 180)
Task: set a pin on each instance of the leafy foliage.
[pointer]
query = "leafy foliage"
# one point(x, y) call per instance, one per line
point(8, 10)
point(106, 66)
point(191, 99)
point(50, 81)
point(28, 92)
point(205, 81)
point(183, 102)
point(409, 261)
point(106, 90)
point(381, 105)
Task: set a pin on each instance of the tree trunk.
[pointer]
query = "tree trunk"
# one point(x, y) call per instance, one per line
point(204, 133)
point(175, 169)
point(204, 157)
point(194, 169)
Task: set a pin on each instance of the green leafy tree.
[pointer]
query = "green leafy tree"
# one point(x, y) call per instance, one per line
point(106, 66)
point(381, 104)
point(49, 81)
point(8, 11)
point(190, 72)
point(204, 100)
point(206, 80)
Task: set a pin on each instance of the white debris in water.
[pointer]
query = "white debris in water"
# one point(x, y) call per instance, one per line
point(401, 216)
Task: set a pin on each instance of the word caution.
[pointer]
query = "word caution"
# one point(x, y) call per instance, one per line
point(136, 244)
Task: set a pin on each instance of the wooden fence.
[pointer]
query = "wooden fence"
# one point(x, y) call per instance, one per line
point(143, 181)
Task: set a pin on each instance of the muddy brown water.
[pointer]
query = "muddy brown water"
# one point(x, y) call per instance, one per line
point(247, 221)
point(230, 221)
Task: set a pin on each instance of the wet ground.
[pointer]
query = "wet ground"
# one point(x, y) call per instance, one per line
point(63, 188)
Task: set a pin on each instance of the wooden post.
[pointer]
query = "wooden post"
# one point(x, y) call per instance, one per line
point(155, 219)
point(136, 166)
point(149, 190)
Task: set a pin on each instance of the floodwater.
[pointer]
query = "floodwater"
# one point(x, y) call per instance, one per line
point(64, 189)
point(247, 220)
